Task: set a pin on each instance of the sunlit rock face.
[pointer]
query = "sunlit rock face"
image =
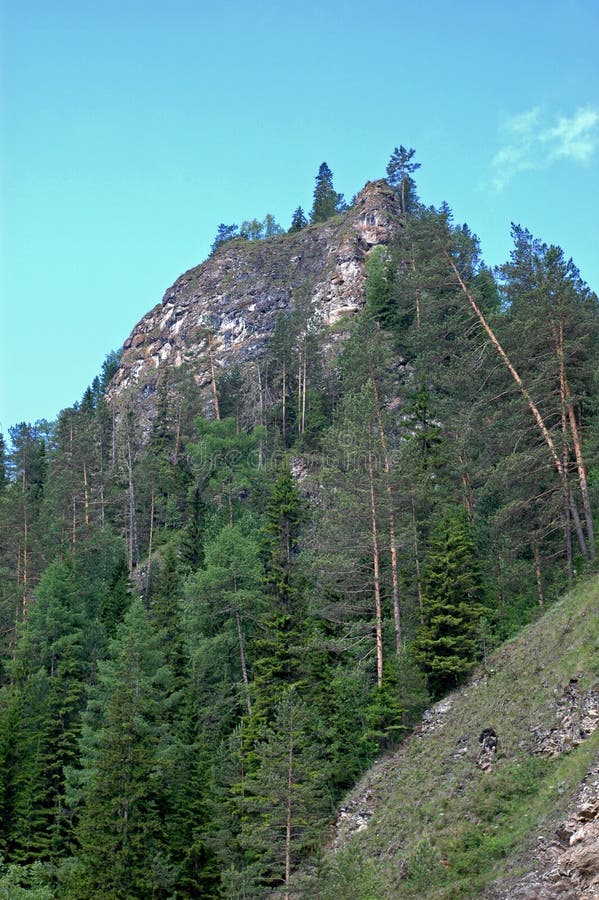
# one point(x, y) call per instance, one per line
point(233, 299)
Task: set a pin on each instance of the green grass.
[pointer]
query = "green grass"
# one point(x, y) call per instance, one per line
point(443, 828)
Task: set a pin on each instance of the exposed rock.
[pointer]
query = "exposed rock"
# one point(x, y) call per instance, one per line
point(576, 718)
point(488, 742)
point(567, 866)
point(237, 294)
point(434, 717)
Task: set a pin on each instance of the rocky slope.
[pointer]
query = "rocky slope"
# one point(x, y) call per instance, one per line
point(233, 299)
point(455, 814)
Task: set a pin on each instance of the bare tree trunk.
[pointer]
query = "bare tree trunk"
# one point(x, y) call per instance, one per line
point(25, 566)
point(299, 392)
point(150, 541)
point(377, 578)
point(531, 404)
point(391, 517)
point(284, 404)
point(132, 542)
point(578, 525)
point(85, 495)
point(582, 480)
point(113, 447)
point(101, 490)
point(177, 437)
point(567, 496)
point(417, 560)
point(538, 572)
point(499, 577)
point(467, 484)
point(213, 378)
point(304, 393)
point(18, 594)
point(289, 808)
point(74, 523)
point(260, 415)
point(577, 441)
point(244, 671)
point(568, 543)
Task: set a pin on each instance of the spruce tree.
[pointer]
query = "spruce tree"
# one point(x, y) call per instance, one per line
point(327, 202)
point(453, 605)
point(285, 801)
point(121, 793)
point(41, 719)
point(280, 534)
point(298, 220)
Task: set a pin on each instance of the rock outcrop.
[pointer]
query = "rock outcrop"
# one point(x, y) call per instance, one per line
point(566, 864)
point(233, 299)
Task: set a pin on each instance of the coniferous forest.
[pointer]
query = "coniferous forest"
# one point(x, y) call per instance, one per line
point(211, 626)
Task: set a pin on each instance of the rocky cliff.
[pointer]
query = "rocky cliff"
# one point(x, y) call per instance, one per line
point(233, 299)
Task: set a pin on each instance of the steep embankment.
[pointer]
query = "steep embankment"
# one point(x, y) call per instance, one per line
point(461, 810)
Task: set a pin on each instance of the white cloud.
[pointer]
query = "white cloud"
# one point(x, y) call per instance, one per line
point(574, 138)
point(534, 142)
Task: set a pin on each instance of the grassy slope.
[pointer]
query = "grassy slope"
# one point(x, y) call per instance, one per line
point(441, 827)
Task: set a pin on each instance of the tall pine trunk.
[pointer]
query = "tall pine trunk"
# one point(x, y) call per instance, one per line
point(376, 577)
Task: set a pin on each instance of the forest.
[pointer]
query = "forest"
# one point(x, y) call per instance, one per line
point(210, 630)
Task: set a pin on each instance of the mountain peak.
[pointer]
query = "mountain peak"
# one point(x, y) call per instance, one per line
point(233, 299)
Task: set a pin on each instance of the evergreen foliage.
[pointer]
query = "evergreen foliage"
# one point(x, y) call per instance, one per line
point(453, 605)
point(327, 202)
point(209, 628)
point(400, 169)
point(298, 220)
point(224, 234)
point(123, 785)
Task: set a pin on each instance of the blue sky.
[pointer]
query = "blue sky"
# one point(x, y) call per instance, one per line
point(130, 130)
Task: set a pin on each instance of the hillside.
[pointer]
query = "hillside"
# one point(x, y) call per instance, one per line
point(325, 479)
point(448, 817)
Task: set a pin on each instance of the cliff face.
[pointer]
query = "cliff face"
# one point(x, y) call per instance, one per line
point(237, 294)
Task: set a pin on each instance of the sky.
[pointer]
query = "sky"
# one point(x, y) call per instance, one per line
point(129, 130)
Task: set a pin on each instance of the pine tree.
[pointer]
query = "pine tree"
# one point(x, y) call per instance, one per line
point(400, 169)
point(224, 234)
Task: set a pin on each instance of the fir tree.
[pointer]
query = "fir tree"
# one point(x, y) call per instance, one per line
point(327, 202)
point(298, 220)
point(121, 791)
point(41, 719)
point(452, 595)
point(285, 803)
